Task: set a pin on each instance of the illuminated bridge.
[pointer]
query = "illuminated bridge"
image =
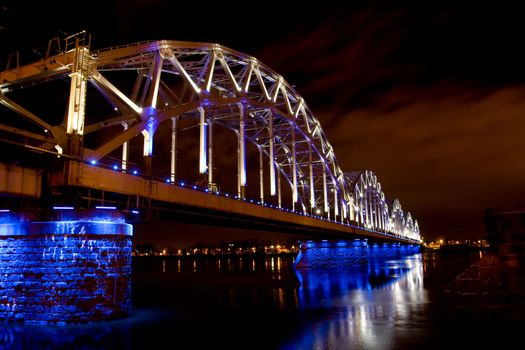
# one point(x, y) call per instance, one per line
point(168, 125)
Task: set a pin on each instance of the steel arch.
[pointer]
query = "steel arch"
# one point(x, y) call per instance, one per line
point(213, 85)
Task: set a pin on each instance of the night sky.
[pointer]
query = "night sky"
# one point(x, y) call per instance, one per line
point(431, 97)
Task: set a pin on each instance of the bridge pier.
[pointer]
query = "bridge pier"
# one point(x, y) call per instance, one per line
point(73, 268)
point(345, 253)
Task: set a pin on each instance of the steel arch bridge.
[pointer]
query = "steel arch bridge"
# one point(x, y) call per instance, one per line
point(158, 84)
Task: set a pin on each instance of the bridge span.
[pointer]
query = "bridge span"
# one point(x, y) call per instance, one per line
point(181, 123)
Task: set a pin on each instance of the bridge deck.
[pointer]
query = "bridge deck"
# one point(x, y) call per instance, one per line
point(88, 176)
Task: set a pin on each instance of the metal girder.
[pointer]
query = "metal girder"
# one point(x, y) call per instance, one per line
point(99, 78)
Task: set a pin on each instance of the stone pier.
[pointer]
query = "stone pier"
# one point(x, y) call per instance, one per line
point(345, 253)
point(74, 268)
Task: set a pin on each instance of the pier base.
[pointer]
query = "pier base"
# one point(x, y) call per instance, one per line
point(334, 254)
point(75, 268)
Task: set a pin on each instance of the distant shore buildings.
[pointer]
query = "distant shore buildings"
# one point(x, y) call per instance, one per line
point(222, 248)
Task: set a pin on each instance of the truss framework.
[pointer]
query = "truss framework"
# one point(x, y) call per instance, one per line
point(221, 87)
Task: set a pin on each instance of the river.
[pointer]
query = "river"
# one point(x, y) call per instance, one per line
point(262, 302)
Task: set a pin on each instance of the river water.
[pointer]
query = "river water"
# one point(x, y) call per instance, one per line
point(262, 302)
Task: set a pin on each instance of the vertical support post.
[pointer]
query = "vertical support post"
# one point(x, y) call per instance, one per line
point(372, 218)
point(148, 134)
point(312, 189)
point(173, 168)
point(272, 161)
point(202, 141)
point(279, 187)
point(381, 218)
point(325, 194)
point(125, 150)
point(371, 211)
point(376, 214)
point(294, 170)
point(241, 176)
point(365, 205)
point(362, 209)
point(261, 175)
point(336, 200)
point(77, 99)
point(210, 152)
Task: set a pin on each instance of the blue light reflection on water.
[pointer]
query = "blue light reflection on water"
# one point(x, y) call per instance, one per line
point(367, 303)
point(258, 303)
point(116, 334)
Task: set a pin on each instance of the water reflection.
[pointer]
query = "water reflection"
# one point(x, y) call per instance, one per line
point(216, 299)
point(368, 306)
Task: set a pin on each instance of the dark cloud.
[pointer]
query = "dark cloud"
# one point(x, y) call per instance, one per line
point(429, 100)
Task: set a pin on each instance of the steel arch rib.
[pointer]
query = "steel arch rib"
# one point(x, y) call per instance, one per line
point(277, 95)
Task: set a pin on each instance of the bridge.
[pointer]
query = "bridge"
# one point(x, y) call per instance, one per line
point(169, 124)
point(95, 139)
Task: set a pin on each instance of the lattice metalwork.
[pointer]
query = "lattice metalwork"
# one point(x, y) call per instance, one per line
point(369, 208)
point(158, 83)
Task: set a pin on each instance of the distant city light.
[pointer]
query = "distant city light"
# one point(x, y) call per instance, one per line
point(4, 210)
point(93, 162)
point(115, 167)
point(63, 208)
point(105, 207)
point(135, 211)
point(135, 172)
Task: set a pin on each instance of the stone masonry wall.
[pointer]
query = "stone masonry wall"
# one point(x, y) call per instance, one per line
point(64, 277)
